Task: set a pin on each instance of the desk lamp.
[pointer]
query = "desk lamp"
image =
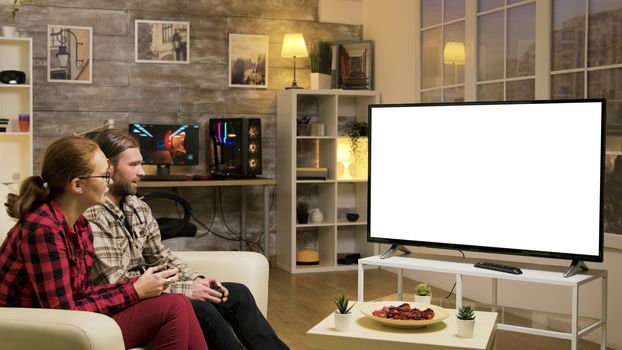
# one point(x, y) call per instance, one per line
point(294, 46)
point(345, 157)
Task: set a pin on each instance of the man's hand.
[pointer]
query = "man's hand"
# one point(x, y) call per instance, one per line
point(209, 289)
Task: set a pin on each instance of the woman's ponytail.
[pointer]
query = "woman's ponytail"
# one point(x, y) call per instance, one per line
point(32, 193)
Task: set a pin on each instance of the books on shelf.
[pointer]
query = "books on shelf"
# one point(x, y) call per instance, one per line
point(311, 173)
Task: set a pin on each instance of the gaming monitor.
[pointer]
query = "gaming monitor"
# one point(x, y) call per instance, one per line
point(520, 178)
point(166, 145)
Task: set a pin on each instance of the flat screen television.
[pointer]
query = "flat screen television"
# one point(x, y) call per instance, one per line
point(167, 144)
point(522, 178)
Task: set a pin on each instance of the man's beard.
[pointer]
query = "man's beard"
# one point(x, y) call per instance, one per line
point(120, 188)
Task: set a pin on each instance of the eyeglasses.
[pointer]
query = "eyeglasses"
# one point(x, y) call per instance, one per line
point(106, 177)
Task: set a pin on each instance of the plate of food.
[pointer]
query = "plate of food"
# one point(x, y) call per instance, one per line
point(401, 314)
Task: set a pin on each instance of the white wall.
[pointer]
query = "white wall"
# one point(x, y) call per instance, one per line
point(392, 24)
point(340, 11)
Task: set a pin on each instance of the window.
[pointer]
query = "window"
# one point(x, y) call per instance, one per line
point(443, 51)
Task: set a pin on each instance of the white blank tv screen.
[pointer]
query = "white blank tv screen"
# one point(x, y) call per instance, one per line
point(504, 177)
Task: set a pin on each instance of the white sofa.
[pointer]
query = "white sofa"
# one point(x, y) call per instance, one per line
point(25, 328)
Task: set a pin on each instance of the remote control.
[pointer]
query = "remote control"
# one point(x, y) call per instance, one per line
point(498, 267)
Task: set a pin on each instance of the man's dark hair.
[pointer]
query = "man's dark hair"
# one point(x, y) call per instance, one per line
point(114, 141)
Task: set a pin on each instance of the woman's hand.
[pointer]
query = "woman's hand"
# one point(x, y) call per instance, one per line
point(155, 280)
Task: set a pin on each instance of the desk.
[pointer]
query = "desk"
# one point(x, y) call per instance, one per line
point(533, 273)
point(368, 334)
point(229, 183)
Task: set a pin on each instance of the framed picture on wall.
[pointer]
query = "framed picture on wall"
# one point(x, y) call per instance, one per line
point(355, 65)
point(70, 52)
point(248, 61)
point(161, 41)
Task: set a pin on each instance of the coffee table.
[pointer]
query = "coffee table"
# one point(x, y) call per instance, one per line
point(368, 334)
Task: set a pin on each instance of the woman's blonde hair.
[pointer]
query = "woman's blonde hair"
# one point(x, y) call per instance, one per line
point(65, 159)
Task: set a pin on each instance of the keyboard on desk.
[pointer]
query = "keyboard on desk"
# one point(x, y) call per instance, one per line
point(164, 178)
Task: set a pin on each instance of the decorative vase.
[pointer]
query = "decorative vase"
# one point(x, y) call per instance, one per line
point(9, 31)
point(343, 322)
point(465, 328)
point(423, 299)
point(316, 215)
point(352, 217)
point(320, 81)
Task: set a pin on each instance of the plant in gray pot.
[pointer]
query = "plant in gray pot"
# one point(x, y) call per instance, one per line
point(465, 321)
point(343, 316)
point(302, 212)
point(12, 9)
point(320, 55)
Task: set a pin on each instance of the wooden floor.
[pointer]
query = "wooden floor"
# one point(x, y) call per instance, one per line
point(299, 301)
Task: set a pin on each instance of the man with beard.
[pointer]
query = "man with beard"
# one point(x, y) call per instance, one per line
point(127, 240)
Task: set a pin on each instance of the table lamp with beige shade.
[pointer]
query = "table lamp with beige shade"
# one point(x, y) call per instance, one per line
point(294, 46)
point(344, 156)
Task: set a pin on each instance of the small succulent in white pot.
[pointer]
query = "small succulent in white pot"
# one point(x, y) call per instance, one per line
point(343, 316)
point(423, 293)
point(465, 321)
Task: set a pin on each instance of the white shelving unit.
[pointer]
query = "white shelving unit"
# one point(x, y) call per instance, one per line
point(16, 147)
point(335, 236)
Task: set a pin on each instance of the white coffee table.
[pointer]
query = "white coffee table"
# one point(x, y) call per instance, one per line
point(368, 334)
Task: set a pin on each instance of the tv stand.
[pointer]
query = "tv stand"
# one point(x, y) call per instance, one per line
point(393, 249)
point(531, 274)
point(575, 266)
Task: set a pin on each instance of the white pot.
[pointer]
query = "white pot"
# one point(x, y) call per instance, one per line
point(465, 328)
point(343, 322)
point(320, 81)
point(423, 299)
point(9, 32)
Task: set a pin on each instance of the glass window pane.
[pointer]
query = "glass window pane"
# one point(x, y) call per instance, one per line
point(431, 58)
point(512, 2)
point(453, 54)
point(485, 5)
point(567, 85)
point(430, 13)
point(490, 47)
point(520, 90)
point(521, 58)
point(490, 92)
point(431, 96)
point(453, 94)
point(606, 84)
point(568, 42)
point(613, 194)
point(605, 33)
point(454, 9)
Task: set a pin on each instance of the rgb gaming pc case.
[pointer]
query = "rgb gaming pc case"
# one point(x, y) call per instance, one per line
point(235, 147)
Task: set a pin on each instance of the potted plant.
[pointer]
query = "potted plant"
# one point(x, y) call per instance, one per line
point(13, 9)
point(355, 132)
point(465, 321)
point(320, 55)
point(423, 294)
point(343, 316)
point(302, 212)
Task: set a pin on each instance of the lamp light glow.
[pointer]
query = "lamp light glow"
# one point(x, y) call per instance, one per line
point(294, 46)
point(454, 53)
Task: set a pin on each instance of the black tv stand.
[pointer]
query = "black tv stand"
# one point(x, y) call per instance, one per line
point(574, 267)
point(393, 249)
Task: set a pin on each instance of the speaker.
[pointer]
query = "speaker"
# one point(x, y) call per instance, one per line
point(12, 77)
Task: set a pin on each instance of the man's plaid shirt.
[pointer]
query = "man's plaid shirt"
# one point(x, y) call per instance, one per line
point(121, 253)
point(44, 263)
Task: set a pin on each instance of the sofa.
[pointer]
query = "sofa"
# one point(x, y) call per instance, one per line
point(27, 328)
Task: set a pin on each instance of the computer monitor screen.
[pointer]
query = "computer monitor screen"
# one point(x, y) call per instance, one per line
point(164, 144)
point(522, 178)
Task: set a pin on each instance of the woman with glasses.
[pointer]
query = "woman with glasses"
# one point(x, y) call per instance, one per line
point(46, 258)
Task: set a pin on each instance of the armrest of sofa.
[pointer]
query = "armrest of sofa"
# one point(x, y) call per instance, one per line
point(248, 268)
point(25, 328)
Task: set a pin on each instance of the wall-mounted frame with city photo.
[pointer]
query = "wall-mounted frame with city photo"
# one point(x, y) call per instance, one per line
point(248, 61)
point(70, 52)
point(355, 65)
point(161, 41)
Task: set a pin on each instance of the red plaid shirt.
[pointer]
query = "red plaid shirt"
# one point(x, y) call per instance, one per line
point(45, 263)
